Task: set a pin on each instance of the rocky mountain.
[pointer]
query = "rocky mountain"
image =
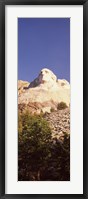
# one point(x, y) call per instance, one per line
point(44, 93)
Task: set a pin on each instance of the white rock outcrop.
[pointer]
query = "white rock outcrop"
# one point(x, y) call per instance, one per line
point(46, 87)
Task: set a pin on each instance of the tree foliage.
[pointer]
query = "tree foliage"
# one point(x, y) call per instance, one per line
point(39, 158)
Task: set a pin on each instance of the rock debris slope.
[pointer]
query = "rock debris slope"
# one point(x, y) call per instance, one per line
point(59, 122)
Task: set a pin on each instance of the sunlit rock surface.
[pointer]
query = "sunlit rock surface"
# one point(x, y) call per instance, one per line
point(46, 91)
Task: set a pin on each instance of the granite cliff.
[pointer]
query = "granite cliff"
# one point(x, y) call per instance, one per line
point(43, 93)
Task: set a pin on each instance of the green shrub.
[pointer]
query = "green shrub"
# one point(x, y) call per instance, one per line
point(61, 105)
point(34, 136)
point(52, 109)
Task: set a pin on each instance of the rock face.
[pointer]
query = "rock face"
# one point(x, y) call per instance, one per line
point(44, 93)
point(21, 86)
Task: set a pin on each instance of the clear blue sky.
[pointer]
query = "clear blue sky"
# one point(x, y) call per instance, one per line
point(43, 43)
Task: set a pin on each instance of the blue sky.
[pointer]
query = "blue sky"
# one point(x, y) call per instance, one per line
point(43, 43)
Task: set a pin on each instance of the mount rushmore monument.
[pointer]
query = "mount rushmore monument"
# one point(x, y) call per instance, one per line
point(43, 93)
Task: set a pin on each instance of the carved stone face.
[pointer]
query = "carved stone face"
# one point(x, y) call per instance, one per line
point(46, 75)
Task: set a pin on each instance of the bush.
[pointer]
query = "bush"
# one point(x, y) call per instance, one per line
point(59, 162)
point(33, 149)
point(52, 109)
point(62, 105)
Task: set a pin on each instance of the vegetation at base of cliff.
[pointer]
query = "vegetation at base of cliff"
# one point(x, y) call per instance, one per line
point(52, 109)
point(39, 157)
point(62, 105)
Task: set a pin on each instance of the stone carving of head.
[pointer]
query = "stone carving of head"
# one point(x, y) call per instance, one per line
point(46, 75)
